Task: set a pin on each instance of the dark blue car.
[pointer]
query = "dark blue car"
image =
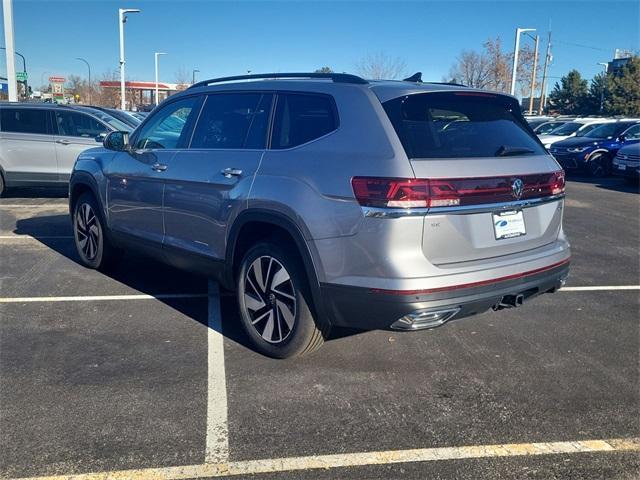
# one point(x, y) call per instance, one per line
point(594, 152)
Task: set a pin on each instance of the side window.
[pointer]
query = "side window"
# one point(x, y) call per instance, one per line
point(301, 118)
point(24, 120)
point(633, 133)
point(168, 127)
point(76, 124)
point(233, 120)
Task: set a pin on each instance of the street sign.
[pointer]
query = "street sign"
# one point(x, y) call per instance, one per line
point(57, 79)
point(21, 76)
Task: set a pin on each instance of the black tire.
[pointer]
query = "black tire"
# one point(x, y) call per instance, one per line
point(1, 184)
point(286, 305)
point(89, 232)
point(599, 165)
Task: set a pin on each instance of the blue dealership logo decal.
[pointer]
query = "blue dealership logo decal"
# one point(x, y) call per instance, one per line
point(501, 223)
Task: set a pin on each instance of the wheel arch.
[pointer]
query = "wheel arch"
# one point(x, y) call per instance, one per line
point(267, 224)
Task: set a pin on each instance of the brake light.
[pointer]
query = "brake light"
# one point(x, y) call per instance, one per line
point(426, 193)
point(391, 192)
point(557, 183)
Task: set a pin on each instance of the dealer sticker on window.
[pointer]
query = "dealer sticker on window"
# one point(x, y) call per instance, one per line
point(508, 224)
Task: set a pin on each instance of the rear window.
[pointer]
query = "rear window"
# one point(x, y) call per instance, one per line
point(24, 120)
point(459, 125)
point(301, 118)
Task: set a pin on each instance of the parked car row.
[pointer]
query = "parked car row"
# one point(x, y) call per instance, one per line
point(588, 144)
point(39, 142)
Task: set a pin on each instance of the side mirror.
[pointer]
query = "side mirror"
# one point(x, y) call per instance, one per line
point(118, 141)
point(622, 138)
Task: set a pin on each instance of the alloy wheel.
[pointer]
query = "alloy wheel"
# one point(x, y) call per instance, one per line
point(270, 299)
point(87, 231)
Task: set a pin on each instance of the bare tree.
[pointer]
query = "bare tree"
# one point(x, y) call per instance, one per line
point(182, 78)
point(471, 69)
point(499, 65)
point(380, 66)
point(106, 96)
point(324, 70)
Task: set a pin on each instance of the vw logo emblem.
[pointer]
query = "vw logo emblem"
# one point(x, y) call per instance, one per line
point(517, 188)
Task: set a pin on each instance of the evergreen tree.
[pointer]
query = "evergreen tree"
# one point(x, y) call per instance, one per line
point(570, 96)
point(623, 92)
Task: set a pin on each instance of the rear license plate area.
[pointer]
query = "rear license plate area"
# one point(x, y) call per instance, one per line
point(508, 224)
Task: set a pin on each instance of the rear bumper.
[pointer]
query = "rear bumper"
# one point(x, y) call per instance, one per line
point(370, 309)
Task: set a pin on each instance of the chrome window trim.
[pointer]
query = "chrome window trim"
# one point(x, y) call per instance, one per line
point(375, 212)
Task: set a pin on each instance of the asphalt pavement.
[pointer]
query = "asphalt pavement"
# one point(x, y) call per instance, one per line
point(124, 372)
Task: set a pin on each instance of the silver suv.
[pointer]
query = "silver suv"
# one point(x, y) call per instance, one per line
point(39, 142)
point(328, 200)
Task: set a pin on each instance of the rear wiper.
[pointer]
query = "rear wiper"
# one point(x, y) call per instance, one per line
point(505, 151)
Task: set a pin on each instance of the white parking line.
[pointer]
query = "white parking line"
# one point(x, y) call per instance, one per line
point(31, 237)
point(163, 296)
point(101, 298)
point(275, 465)
point(598, 288)
point(217, 440)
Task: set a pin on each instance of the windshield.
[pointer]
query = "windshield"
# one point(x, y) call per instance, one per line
point(111, 121)
point(608, 130)
point(587, 128)
point(547, 128)
point(567, 129)
point(459, 125)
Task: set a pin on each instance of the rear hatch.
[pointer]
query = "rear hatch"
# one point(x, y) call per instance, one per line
point(492, 190)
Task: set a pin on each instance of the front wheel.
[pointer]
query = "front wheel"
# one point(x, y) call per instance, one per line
point(599, 165)
point(274, 300)
point(92, 244)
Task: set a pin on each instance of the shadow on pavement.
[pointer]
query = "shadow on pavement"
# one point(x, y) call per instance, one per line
point(617, 184)
point(152, 277)
point(36, 192)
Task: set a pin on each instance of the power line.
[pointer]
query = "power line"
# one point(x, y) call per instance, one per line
point(582, 46)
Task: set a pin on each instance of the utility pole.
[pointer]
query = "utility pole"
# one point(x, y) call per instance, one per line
point(533, 75)
point(544, 77)
point(193, 76)
point(604, 85)
point(7, 6)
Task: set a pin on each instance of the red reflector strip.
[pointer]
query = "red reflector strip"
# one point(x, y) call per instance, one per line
point(471, 285)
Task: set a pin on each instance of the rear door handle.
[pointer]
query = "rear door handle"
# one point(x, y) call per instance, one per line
point(158, 167)
point(63, 142)
point(231, 172)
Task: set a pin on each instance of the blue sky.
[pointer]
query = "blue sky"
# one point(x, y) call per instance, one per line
point(226, 38)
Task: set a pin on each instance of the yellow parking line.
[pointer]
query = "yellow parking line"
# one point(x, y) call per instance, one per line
point(252, 467)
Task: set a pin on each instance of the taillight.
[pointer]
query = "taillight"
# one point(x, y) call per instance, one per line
point(452, 192)
point(557, 183)
point(391, 192)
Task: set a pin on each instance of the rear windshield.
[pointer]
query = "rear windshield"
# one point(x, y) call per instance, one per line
point(459, 125)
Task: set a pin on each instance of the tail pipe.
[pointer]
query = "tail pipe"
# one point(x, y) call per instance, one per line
point(510, 301)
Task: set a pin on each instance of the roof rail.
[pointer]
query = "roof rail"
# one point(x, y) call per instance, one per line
point(336, 77)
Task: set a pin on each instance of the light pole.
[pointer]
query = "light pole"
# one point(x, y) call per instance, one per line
point(122, 18)
point(515, 57)
point(24, 69)
point(193, 76)
point(89, 68)
point(157, 54)
point(7, 8)
point(604, 84)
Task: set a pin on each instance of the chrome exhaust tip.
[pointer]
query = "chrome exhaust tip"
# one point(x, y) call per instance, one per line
point(420, 320)
point(510, 301)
